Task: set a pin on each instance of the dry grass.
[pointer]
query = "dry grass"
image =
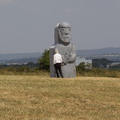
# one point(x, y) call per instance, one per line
point(44, 98)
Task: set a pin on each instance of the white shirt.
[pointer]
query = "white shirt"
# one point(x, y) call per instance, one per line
point(57, 58)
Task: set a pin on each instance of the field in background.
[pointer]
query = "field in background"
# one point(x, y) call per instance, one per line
point(43, 98)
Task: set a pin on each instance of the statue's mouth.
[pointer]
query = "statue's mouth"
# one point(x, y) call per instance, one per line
point(67, 36)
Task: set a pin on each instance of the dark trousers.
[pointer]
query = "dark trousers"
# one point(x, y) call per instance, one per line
point(58, 70)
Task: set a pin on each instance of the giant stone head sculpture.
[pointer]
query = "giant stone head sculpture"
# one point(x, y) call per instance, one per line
point(64, 33)
point(63, 44)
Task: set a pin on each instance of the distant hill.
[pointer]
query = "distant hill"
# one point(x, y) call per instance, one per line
point(102, 51)
point(110, 53)
point(20, 61)
point(19, 58)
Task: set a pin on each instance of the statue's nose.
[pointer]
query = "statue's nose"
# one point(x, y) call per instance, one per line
point(66, 32)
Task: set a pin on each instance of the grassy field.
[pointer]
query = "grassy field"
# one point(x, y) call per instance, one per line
point(43, 98)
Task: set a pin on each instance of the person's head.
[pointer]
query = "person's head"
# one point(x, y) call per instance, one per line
point(64, 33)
point(56, 51)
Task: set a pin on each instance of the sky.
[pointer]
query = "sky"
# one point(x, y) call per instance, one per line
point(27, 26)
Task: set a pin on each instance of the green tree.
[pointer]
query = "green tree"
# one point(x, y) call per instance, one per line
point(81, 67)
point(44, 61)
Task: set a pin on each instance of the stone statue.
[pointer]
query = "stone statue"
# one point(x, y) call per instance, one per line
point(63, 44)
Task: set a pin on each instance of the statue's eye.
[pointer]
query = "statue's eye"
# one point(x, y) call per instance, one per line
point(69, 28)
point(62, 28)
point(65, 28)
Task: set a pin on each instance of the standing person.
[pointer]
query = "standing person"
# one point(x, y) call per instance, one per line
point(57, 61)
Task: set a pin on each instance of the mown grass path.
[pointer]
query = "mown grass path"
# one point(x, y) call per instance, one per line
point(44, 98)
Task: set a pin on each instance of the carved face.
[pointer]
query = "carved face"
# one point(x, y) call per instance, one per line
point(64, 32)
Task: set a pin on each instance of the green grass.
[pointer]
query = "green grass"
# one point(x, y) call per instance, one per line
point(44, 98)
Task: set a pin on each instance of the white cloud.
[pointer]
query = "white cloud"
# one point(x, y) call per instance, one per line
point(7, 1)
